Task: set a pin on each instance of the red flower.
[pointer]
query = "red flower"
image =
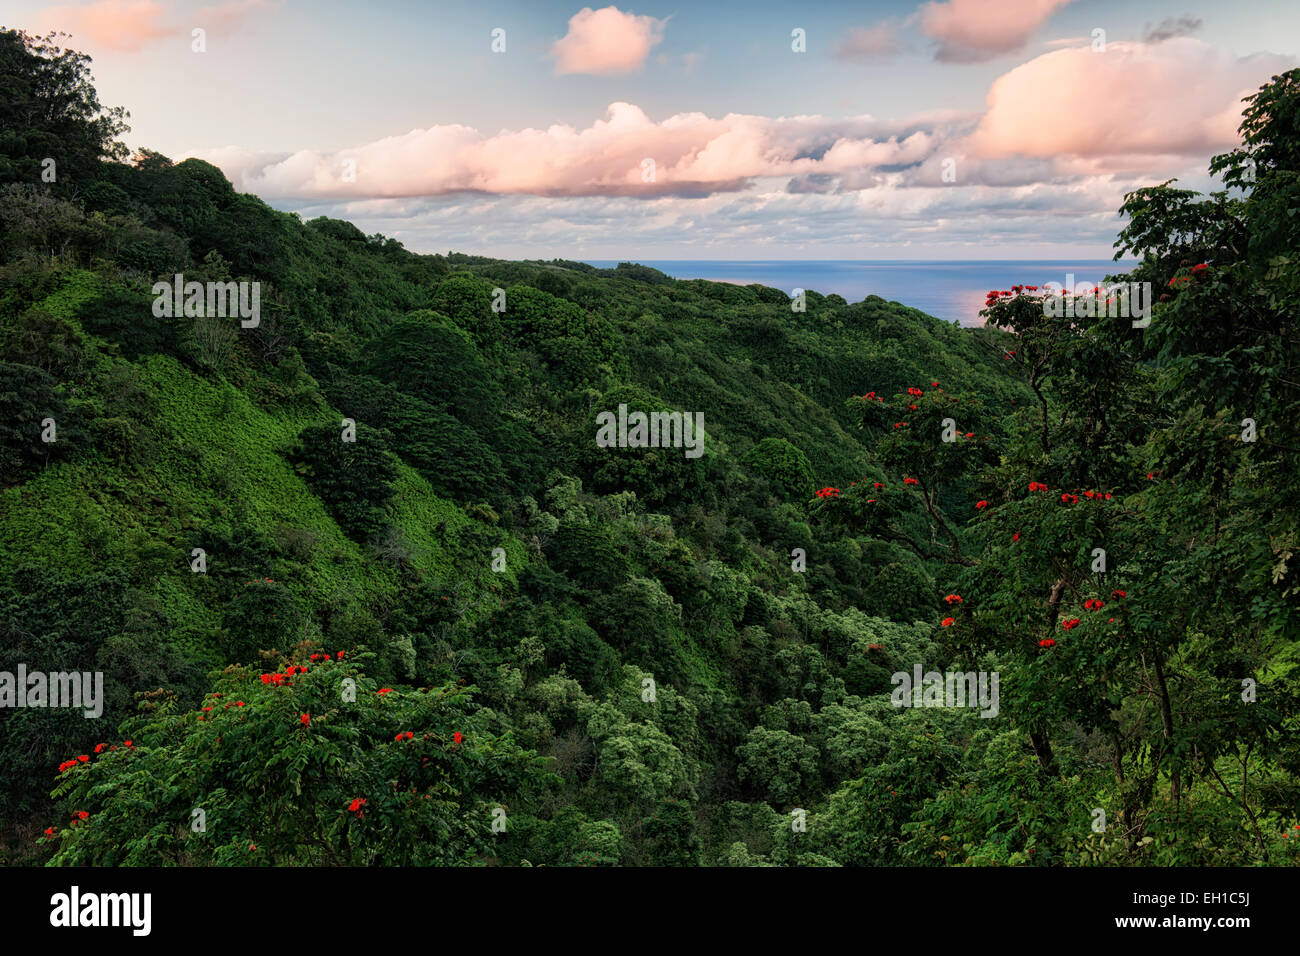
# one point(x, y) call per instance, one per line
point(356, 805)
point(1016, 536)
point(82, 815)
point(948, 622)
point(935, 384)
point(305, 719)
point(84, 757)
point(457, 737)
point(1071, 624)
point(127, 743)
point(970, 434)
point(1037, 486)
point(385, 690)
point(981, 505)
point(1200, 267)
point(340, 656)
point(953, 598)
point(910, 481)
point(239, 703)
point(879, 485)
point(98, 747)
point(1047, 642)
point(49, 831)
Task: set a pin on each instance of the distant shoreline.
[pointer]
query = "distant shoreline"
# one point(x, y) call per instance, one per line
point(949, 289)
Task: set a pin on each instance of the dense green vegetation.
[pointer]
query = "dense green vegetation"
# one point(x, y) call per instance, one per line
point(473, 618)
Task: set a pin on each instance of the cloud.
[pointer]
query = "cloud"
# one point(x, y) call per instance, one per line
point(1064, 136)
point(606, 41)
point(869, 42)
point(970, 31)
point(129, 25)
point(1113, 110)
point(1171, 27)
point(123, 25)
point(692, 154)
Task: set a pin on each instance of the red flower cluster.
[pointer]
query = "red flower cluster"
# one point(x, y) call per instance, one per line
point(305, 719)
point(872, 397)
point(406, 736)
point(1093, 604)
point(910, 481)
point(385, 690)
point(915, 391)
point(356, 805)
point(1015, 537)
point(457, 737)
point(49, 831)
point(1071, 624)
point(279, 680)
point(1047, 642)
point(1069, 499)
point(981, 505)
point(953, 598)
point(1037, 486)
point(1200, 267)
point(829, 493)
point(900, 424)
point(873, 647)
point(948, 622)
point(1121, 594)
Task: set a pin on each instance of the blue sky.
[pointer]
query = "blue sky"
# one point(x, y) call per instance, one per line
point(759, 151)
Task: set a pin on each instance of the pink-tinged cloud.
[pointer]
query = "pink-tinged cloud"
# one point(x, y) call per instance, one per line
point(693, 155)
point(606, 41)
point(969, 31)
point(1179, 98)
point(123, 25)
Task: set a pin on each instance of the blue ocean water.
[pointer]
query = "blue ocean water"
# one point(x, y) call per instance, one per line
point(950, 290)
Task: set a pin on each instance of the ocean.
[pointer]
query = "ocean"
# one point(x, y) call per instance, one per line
point(950, 290)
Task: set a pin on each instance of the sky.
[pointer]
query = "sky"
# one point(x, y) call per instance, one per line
point(949, 129)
